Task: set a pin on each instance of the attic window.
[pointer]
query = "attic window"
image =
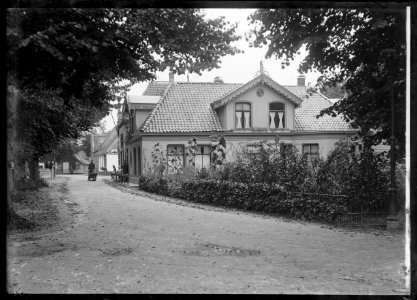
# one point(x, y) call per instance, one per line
point(277, 115)
point(242, 115)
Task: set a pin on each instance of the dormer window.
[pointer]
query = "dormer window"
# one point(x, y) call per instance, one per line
point(242, 115)
point(277, 115)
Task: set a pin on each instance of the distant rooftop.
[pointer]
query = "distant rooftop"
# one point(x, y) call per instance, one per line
point(143, 99)
point(156, 88)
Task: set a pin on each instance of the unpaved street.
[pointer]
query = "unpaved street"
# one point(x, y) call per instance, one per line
point(110, 241)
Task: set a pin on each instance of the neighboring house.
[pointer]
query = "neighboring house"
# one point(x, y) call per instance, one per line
point(98, 140)
point(171, 113)
point(72, 164)
point(134, 112)
point(106, 155)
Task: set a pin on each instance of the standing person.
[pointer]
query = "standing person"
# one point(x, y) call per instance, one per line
point(91, 168)
point(126, 173)
point(49, 166)
point(54, 167)
point(113, 174)
point(125, 168)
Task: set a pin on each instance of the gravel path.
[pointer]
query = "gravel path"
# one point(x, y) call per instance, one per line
point(111, 241)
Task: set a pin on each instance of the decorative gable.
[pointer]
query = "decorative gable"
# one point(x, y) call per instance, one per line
point(262, 79)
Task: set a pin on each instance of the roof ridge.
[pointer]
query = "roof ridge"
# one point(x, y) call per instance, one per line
point(199, 82)
point(206, 82)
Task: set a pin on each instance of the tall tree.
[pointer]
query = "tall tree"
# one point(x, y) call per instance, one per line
point(65, 66)
point(70, 62)
point(362, 48)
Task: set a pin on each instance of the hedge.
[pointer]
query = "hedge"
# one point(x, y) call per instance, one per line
point(260, 197)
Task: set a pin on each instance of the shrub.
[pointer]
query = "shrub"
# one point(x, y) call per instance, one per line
point(356, 173)
point(276, 179)
point(263, 197)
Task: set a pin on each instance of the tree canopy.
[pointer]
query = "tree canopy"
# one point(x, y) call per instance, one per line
point(68, 64)
point(362, 48)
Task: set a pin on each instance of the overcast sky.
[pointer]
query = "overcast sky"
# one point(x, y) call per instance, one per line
point(238, 68)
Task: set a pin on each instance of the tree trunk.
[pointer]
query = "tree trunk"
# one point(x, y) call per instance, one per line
point(34, 170)
point(20, 169)
point(11, 102)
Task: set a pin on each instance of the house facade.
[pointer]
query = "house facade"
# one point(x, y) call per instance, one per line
point(105, 156)
point(72, 164)
point(171, 113)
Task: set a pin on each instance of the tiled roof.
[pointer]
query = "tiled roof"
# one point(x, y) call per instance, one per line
point(109, 140)
point(81, 160)
point(98, 140)
point(186, 107)
point(156, 88)
point(313, 103)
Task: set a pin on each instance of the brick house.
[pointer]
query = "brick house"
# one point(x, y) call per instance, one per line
point(170, 113)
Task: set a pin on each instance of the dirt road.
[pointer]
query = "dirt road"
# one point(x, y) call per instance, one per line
point(110, 241)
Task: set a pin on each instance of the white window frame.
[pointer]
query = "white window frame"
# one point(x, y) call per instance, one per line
point(270, 111)
point(243, 111)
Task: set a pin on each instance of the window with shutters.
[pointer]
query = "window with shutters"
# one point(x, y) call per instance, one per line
point(243, 115)
point(277, 115)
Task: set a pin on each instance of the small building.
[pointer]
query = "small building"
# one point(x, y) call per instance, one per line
point(106, 155)
point(72, 164)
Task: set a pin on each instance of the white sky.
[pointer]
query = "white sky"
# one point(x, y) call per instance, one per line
point(239, 68)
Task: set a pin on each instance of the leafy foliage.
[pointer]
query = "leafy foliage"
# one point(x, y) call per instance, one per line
point(175, 161)
point(191, 151)
point(70, 63)
point(251, 197)
point(218, 151)
point(158, 160)
point(363, 49)
point(357, 173)
point(276, 179)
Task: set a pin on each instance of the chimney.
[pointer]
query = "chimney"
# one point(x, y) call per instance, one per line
point(309, 84)
point(301, 80)
point(171, 77)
